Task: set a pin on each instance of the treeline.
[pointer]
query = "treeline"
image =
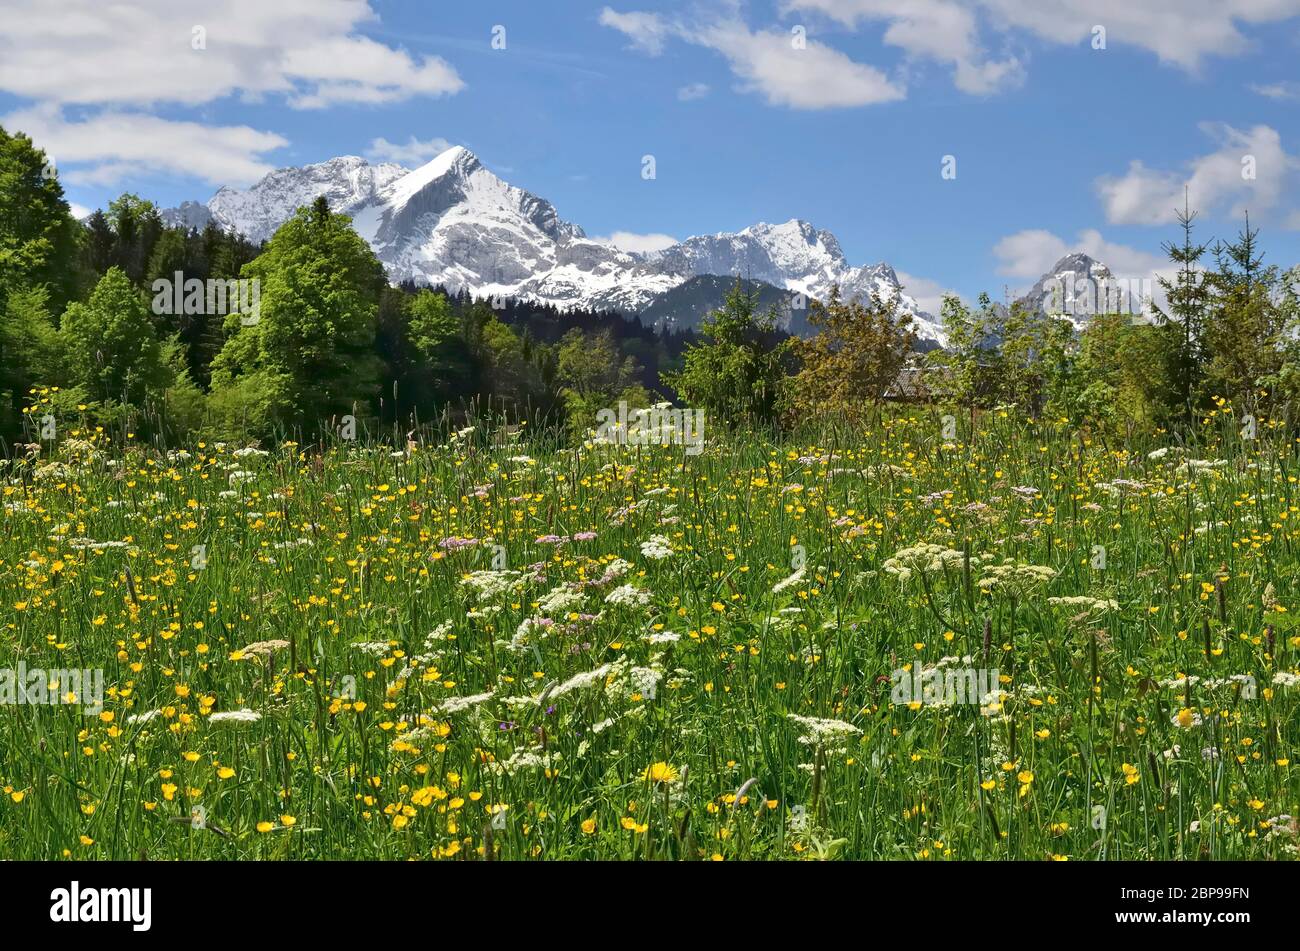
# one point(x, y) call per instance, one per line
point(1227, 333)
point(304, 330)
point(288, 338)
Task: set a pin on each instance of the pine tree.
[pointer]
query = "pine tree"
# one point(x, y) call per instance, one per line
point(99, 244)
point(738, 372)
point(1245, 330)
point(1187, 299)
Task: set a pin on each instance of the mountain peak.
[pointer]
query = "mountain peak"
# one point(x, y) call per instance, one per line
point(1079, 263)
point(347, 182)
point(455, 159)
point(454, 165)
point(1059, 295)
point(886, 271)
point(453, 222)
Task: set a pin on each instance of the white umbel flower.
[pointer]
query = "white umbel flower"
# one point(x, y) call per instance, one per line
point(657, 547)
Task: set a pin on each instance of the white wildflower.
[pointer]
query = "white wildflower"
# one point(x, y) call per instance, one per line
point(657, 547)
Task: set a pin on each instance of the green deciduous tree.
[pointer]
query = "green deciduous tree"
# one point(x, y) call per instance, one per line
point(38, 236)
point(29, 353)
point(310, 355)
point(848, 367)
point(592, 377)
point(969, 370)
point(110, 349)
point(1120, 381)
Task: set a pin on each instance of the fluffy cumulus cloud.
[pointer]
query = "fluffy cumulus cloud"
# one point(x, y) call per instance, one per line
point(1179, 32)
point(786, 67)
point(945, 31)
point(977, 40)
point(154, 51)
point(637, 243)
point(1032, 253)
point(928, 294)
point(1248, 171)
point(122, 60)
point(109, 147)
point(414, 153)
point(793, 70)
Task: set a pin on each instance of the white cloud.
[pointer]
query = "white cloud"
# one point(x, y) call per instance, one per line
point(111, 146)
point(637, 243)
point(357, 69)
point(1033, 252)
point(414, 153)
point(1180, 32)
point(1028, 255)
point(928, 294)
point(943, 30)
point(816, 76)
point(142, 52)
point(79, 211)
point(807, 75)
point(693, 91)
point(1282, 91)
point(957, 33)
point(1217, 182)
point(126, 57)
point(647, 31)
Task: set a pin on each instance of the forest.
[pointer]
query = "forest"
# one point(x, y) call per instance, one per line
point(89, 334)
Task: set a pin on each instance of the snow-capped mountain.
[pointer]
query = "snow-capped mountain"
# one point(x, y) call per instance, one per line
point(190, 215)
point(794, 256)
point(453, 222)
point(349, 183)
point(1079, 286)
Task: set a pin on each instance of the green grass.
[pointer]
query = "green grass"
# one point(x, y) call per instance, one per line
point(325, 552)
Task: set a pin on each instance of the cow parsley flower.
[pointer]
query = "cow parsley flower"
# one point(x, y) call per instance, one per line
point(657, 548)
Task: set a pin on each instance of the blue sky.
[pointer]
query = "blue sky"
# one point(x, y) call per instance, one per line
point(1058, 145)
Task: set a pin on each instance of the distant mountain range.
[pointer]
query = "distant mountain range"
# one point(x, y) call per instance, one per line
point(690, 301)
point(453, 222)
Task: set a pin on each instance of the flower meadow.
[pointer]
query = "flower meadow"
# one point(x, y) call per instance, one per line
point(491, 646)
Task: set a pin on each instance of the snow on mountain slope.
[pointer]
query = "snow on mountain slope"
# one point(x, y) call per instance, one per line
point(797, 257)
point(1079, 286)
point(453, 222)
point(190, 215)
point(348, 183)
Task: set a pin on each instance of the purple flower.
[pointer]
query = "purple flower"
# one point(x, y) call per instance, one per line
point(454, 543)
